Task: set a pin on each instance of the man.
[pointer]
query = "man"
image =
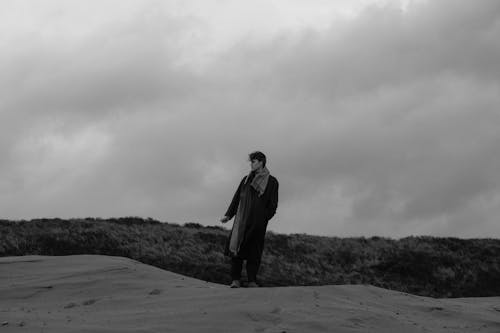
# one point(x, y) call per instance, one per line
point(253, 205)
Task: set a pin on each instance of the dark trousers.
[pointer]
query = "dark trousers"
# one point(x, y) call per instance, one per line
point(237, 266)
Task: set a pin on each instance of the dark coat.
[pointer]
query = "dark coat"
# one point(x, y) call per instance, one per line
point(262, 210)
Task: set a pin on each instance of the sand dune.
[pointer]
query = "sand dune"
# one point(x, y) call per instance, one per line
point(112, 294)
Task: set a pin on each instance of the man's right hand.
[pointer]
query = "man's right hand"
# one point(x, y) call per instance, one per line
point(225, 219)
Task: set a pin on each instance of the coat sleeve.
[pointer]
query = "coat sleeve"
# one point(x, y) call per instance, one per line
point(273, 201)
point(233, 206)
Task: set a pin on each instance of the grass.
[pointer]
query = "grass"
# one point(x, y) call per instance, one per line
point(428, 266)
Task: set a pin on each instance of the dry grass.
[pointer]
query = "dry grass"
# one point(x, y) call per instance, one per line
point(429, 266)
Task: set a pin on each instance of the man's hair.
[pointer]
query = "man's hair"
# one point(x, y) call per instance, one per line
point(259, 156)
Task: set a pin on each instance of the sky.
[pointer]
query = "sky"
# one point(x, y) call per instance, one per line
point(378, 118)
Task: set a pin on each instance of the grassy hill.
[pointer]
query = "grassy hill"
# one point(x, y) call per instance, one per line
point(428, 266)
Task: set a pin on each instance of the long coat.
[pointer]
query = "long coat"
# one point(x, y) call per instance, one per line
point(262, 210)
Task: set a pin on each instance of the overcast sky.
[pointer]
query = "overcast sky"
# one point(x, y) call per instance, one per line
point(377, 117)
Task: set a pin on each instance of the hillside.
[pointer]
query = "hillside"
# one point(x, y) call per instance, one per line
point(427, 266)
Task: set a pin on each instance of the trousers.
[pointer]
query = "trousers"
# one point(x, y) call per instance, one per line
point(252, 267)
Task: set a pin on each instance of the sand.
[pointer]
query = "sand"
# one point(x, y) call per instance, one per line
point(91, 293)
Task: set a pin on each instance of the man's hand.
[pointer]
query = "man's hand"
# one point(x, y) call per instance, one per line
point(225, 219)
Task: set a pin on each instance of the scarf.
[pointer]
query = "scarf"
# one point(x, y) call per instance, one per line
point(259, 181)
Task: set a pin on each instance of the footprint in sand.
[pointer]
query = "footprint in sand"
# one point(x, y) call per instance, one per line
point(155, 292)
point(89, 302)
point(356, 322)
point(70, 305)
point(276, 310)
point(265, 318)
point(436, 308)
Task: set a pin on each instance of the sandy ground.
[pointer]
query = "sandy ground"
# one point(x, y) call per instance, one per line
point(113, 294)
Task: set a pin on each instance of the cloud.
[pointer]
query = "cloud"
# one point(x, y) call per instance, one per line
point(382, 124)
point(402, 120)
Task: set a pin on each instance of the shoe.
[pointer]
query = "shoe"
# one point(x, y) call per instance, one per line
point(235, 284)
point(252, 285)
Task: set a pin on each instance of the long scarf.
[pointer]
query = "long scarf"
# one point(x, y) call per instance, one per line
point(259, 181)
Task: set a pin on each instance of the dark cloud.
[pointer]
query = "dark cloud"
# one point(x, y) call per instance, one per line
point(385, 124)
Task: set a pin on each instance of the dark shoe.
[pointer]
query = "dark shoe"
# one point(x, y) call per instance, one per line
point(235, 284)
point(252, 285)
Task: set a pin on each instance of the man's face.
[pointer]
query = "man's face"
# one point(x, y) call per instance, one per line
point(255, 164)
